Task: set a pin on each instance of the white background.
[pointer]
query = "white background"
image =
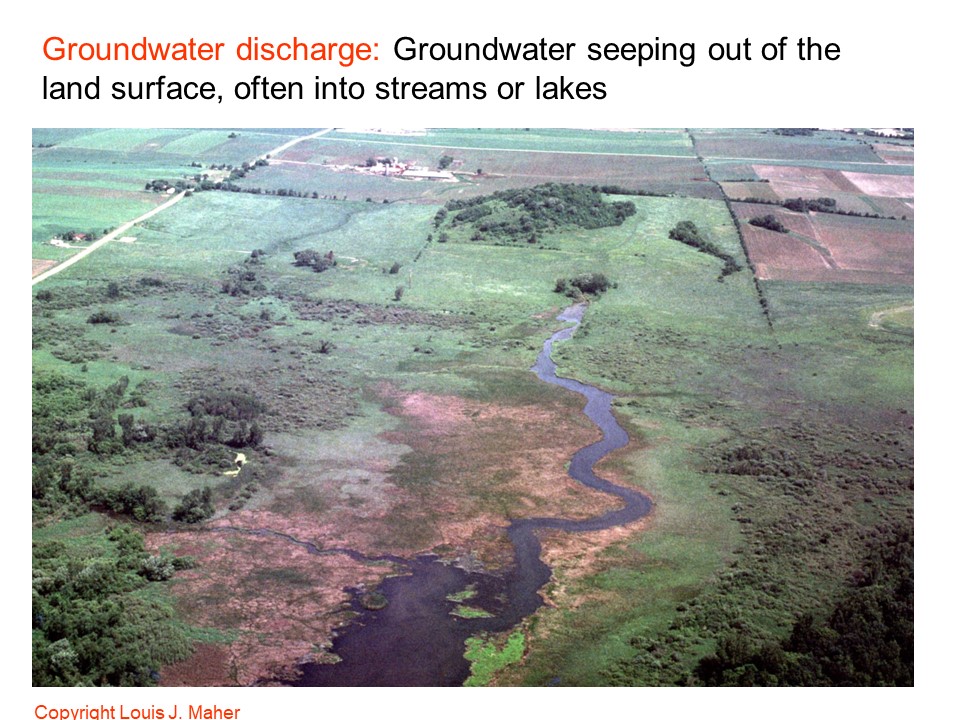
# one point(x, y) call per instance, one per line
point(896, 69)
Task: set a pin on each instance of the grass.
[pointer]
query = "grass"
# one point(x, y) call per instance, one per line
point(669, 142)
point(466, 594)
point(487, 656)
point(466, 611)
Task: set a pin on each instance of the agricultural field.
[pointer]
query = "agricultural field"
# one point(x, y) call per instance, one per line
point(292, 414)
point(829, 247)
point(766, 144)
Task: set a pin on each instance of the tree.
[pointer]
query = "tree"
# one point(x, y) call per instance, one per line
point(195, 506)
point(770, 222)
point(398, 293)
point(313, 259)
point(445, 162)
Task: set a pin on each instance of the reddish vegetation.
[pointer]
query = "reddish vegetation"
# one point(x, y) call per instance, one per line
point(575, 555)
point(475, 466)
point(494, 459)
point(209, 665)
point(280, 601)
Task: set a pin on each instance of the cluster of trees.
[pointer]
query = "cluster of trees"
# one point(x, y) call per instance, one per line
point(245, 279)
point(905, 134)
point(585, 284)
point(688, 233)
point(795, 132)
point(161, 186)
point(140, 502)
point(217, 418)
point(822, 204)
point(315, 260)
point(91, 625)
point(76, 236)
point(770, 222)
point(864, 639)
point(196, 506)
point(528, 213)
point(75, 431)
point(620, 190)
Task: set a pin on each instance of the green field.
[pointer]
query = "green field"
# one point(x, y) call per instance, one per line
point(384, 403)
point(667, 142)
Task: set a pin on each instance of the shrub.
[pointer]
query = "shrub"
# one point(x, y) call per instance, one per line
point(196, 506)
point(770, 222)
point(585, 284)
point(689, 234)
point(104, 317)
point(313, 259)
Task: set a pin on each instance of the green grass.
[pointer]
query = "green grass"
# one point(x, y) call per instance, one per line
point(467, 594)
point(669, 142)
point(466, 611)
point(487, 657)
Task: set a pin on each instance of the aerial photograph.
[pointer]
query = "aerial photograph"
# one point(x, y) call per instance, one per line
point(384, 406)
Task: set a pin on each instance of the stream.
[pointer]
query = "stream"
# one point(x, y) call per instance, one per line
point(414, 640)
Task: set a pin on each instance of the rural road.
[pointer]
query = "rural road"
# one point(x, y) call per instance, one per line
point(105, 239)
point(160, 208)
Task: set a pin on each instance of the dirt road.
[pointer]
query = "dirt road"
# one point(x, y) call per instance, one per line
point(160, 208)
point(105, 239)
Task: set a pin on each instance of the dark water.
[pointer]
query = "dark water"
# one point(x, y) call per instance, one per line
point(415, 640)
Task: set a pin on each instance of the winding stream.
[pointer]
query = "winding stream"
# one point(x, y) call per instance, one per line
point(415, 640)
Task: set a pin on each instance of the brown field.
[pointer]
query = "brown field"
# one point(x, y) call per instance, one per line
point(790, 182)
point(796, 222)
point(41, 266)
point(899, 186)
point(895, 154)
point(862, 244)
point(822, 247)
point(794, 181)
point(775, 254)
point(750, 191)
